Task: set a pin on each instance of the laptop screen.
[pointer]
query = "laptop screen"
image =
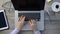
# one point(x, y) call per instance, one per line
point(28, 5)
point(2, 20)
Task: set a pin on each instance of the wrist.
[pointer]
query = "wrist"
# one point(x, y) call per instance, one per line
point(19, 28)
point(35, 30)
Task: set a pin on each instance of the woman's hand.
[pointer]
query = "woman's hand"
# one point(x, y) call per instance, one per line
point(20, 22)
point(33, 25)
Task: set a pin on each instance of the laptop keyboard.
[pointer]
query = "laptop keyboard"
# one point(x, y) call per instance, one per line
point(29, 16)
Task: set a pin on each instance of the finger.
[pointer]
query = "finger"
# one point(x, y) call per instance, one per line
point(29, 22)
point(19, 18)
point(23, 18)
point(33, 21)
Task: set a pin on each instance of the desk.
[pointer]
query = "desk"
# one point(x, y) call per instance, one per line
point(52, 27)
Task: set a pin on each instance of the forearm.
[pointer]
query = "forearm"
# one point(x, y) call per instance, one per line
point(37, 32)
point(15, 31)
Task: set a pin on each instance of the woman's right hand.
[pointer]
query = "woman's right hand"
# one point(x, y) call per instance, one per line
point(33, 25)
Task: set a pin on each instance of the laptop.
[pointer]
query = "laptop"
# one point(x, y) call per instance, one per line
point(38, 16)
point(31, 9)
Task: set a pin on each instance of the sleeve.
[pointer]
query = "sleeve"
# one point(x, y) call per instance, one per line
point(37, 32)
point(15, 31)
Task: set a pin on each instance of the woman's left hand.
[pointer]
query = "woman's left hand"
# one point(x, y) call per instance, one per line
point(20, 22)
